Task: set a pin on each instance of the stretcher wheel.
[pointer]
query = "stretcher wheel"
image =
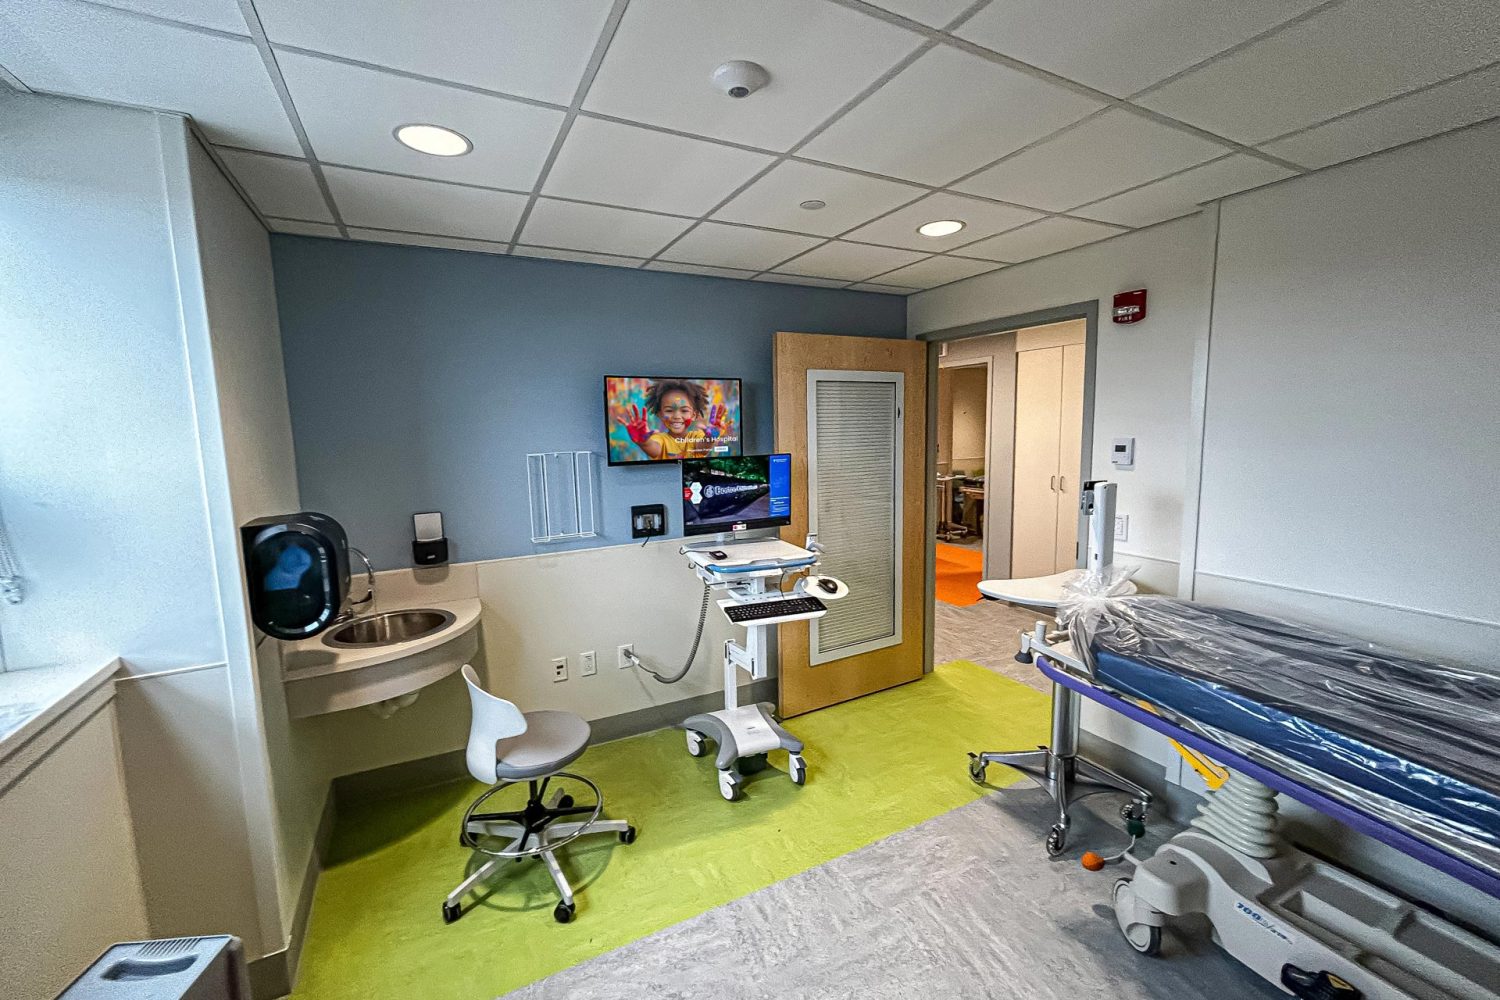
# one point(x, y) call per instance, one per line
point(797, 769)
point(1057, 840)
point(695, 744)
point(729, 785)
point(976, 770)
point(1144, 938)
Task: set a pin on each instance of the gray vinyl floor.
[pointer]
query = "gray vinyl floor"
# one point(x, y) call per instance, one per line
point(966, 905)
point(988, 633)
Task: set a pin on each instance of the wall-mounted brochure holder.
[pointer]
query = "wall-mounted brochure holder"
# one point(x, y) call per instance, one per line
point(562, 488)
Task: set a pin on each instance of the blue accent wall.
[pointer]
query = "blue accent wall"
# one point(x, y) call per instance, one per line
point(419, 379)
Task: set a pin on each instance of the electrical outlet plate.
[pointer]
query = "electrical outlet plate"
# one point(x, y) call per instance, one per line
point(620, 652)
point(587, 665)
point(560, 669)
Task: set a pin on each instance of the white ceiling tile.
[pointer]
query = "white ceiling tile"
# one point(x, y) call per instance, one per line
point(350, 115)
point(641, 168)
point(85, 51)
point(578, 256)
point(736, 246)
point(1450, 105)
point(220, 15)
point(948, 113)
point(297, 227)
point(820, 56)
point(715, 272)
point(1181, 194)
point(866, 286)
point(534, 48)
point(1108, 153)
point(850, 199)
point(1343, 58)
point(278, 186)
point(980, 218)
point(422, 240)
point(933, 13)
point(849, 261)
point(572, 226)
point(938, 271)
point(1039, 239)
point(801, 279)
point(380, 201)
point(1120, 48)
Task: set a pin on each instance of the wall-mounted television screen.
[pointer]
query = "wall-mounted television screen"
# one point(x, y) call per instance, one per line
point(733, 494)
point(664, 419)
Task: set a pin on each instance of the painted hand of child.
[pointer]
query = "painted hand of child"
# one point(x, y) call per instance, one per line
point(636, 426)
point(716, 414)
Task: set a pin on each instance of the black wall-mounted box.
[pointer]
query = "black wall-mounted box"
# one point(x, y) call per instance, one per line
point(433, 553)
point(648, 520)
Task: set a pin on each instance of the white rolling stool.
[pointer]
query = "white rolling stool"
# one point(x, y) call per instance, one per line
point(505, 748)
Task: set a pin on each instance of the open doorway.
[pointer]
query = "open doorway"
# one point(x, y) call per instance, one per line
point(1012, 439)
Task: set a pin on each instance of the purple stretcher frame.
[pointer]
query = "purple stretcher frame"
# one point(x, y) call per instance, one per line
point(1482, 879)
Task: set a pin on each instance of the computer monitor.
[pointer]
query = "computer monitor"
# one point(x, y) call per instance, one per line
point(735, 494)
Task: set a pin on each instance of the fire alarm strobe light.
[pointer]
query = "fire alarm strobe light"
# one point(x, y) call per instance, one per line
point(1130, 307)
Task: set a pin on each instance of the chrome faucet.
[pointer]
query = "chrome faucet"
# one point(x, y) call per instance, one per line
point(365, 603)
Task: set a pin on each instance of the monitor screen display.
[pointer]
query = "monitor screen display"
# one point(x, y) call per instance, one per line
point(664, 419)
point(732, 494)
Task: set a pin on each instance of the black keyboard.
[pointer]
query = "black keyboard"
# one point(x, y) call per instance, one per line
point(740, 613)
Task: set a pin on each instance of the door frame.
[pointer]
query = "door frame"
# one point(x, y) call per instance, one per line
point(1088, 311)
point(989, 430)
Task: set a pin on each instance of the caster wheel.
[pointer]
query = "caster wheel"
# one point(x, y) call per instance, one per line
point(563, 913)
point(1144, 938)
point(1057, 841)
point(451, 912)
point(977, 769)
point(729, 786)
point(695, 744)
point(1134, 809)
point(566, 802)
point(797, 770)
point(628, 836)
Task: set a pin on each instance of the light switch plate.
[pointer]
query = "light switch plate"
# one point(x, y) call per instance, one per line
point(1122, 527)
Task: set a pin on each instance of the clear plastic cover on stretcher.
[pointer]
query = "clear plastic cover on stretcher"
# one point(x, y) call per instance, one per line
point(1414, 743)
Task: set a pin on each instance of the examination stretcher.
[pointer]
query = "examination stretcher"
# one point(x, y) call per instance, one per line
point(1403, 750)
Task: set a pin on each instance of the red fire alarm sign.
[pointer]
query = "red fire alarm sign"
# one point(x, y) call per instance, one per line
point(1130, 307)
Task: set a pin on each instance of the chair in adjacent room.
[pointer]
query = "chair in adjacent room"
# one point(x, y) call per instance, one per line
point(506, 747)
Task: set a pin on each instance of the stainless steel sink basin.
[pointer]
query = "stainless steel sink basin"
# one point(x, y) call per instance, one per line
point(388, 628)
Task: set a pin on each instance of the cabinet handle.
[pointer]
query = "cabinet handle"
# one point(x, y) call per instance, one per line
point(1062, 484)
point(1053, 485)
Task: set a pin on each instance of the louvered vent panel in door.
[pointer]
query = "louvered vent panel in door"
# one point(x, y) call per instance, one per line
point(853, 495)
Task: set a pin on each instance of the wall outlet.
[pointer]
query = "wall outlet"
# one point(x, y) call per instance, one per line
point(587, 666)
point(1122, 527)
point(560, 669)
point(620, 651)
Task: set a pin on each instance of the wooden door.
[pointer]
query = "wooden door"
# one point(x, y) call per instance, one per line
point(1069, 457)
point(1034, 502)
point(867, 400)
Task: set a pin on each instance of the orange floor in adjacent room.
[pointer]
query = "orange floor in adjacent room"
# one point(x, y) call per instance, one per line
point(959, 571)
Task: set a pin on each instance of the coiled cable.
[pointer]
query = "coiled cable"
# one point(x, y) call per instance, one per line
point(692, 653)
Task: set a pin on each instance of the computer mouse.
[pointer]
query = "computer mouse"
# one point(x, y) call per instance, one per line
point(719, 554)
point(828, 585)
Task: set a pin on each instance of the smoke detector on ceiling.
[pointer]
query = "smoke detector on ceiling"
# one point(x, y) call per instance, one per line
point(739, 78)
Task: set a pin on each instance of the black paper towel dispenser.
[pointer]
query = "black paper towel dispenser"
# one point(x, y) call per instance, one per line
point(297, 573)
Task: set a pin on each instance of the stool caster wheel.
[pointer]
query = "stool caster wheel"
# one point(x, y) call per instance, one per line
point(563, 913)
point(451, 912)
point(797, 769)
point(1057, 840)
point(729, 785)
point(977, 769)
point(566, 802)
point(1134, 809)
point(627, 836)
point(695, 744)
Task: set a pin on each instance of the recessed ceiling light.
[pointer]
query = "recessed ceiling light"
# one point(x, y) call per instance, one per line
point(943, 227)
point(433, 139)
point(813, 204)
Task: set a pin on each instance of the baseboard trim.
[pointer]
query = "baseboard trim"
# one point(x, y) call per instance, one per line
point(273, 976)
point(394, 779)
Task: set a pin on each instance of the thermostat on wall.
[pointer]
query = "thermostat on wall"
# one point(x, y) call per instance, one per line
point(1122, 453)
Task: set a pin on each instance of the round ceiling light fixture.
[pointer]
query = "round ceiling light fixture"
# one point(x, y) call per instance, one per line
point(435, 140)
point(943, 227)
point(813, 204)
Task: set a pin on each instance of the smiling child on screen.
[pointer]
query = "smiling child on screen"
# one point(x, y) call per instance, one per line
point(678, 405)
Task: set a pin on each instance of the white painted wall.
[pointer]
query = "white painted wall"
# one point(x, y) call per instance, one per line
point(68, 871)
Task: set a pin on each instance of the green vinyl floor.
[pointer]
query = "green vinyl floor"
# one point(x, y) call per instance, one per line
point(876, 765)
